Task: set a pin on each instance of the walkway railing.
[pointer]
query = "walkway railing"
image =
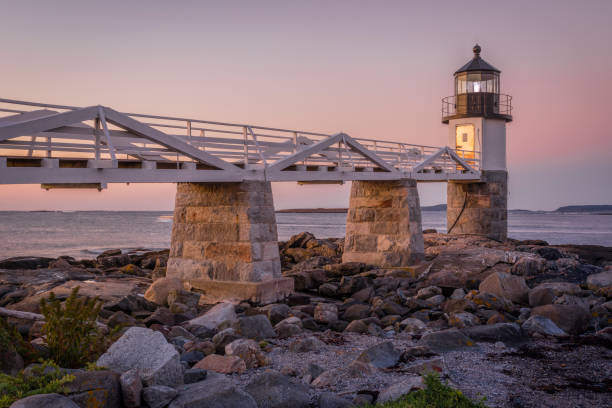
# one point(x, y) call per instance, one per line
point(243, 145)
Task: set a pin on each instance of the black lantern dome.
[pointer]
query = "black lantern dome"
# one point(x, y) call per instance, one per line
point(477, 92)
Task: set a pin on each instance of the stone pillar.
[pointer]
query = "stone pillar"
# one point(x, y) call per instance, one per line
point(383, 225)
point(224, 242)
point(486, 206)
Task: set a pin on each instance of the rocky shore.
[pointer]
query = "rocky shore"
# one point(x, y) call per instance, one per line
point(522, 323)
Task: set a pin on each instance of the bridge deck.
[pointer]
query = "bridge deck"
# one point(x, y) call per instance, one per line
point(57, 144)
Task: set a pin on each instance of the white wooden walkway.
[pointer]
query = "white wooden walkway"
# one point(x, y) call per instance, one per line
point(57, 144)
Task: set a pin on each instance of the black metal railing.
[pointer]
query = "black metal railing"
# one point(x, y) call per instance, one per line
point(479, 103)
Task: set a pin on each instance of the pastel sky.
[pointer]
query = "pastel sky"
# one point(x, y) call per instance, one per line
point(374, 69)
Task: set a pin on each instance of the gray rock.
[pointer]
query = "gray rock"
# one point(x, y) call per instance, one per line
point(543, 326)
point(256, 327)
point(508, 286)
point(356, 312)
point(399, 389)
point(546, 293)
point(218, 314)
point(572, 319)
point(306, 344)
point(413, 326)
point(194, 375)
point(506, 332)
point(215, 392)
point(446, 340)
point(158, 396)
point(330, 400)
point(157, 361)
point(382, 355)
point(10, 362)
point(428, 292)
point(600, 280)
point(192, 357)
point(223, 338)
point(131, 387)
point(271, 389)
point(326, 313)
point(276, 312)
point(97, 388)
point(45, 401)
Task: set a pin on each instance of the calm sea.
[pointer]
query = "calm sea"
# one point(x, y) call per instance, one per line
point(84, 234)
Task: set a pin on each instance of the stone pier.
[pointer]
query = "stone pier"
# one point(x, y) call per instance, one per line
point(479, 208)
point(224, 242)
point(383, 225)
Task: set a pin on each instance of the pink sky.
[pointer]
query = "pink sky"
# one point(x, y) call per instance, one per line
point(371, 69)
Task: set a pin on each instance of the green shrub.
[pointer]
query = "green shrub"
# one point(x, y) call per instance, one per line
point(11, 340)
point(435, 395)
point(72, 335)
point(43, 379)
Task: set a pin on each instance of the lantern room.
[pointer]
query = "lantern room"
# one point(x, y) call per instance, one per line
point(477, 92)
point(477, 115)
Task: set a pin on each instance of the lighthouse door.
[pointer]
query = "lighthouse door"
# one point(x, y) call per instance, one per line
point(465, 141)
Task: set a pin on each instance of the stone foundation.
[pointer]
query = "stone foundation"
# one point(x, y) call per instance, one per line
point(383, 225)
point(486, 206)
point(224, 234)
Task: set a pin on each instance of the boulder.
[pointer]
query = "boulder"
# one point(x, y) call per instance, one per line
point(159, 290)
point(357, 326)
point(45, 401)
point(352, 284)
point(356, 312)
point(506, 332)
point(494, 302)
point(546, 293)
point(185, 297)
point(214, 392)
point(286, 330)
point(218, 314)
point(194, 375)
point(222, 364)
point(306, 344)
point(25, 262)
point(148, 351)
point(161, 316)
point(158, 396)
point(271, 389)
point(463, 319)
point(331, 400)
point(400, 389)
point(131, 388)
point(248, 350)
point(572, 319)
point(11, 361)
point(223, 338)
point(328, 290)
point(427, 292)
point(543, 326)
point(326, 313)
point(446, 340)
point(413, 326)
point(421, 367)
point(600, 280)
point(505, 285)
point(382, 355)
point(528, 266)
point(276, 312)
point(120, 318)
point(95, 388)
point(327, 378)
point(256, 327)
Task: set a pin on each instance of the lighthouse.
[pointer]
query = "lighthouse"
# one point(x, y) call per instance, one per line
point(477, 115)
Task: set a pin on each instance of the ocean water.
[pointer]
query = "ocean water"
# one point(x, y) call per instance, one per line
point(85, 234)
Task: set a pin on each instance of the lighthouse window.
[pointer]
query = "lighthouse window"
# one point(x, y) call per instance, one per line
point(476, 86)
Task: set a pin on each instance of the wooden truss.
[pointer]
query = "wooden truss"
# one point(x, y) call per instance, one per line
point(97, 145)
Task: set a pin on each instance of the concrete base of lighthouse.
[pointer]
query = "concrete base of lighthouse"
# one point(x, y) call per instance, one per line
point(224, 242)
point(383, 225)
point(479, 208)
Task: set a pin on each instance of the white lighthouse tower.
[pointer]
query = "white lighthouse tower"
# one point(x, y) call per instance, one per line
point(477, 115)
